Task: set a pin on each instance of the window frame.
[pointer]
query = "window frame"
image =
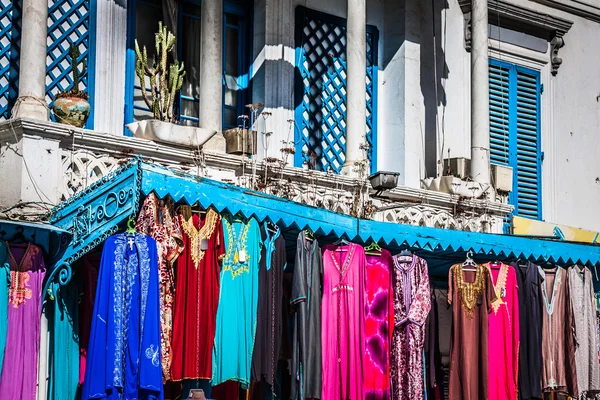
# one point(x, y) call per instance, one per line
point(513, 135)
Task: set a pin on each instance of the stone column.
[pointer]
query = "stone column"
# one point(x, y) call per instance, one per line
point(211, 72)
point(356, 98)
point(480, 103)
point(32, 75)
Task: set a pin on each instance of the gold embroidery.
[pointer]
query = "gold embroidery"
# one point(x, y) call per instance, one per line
point(232, 263)
point(500, 284)
point(196, 236)
point(469, 291)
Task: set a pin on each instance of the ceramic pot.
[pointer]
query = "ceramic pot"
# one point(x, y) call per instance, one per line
point(71, 110)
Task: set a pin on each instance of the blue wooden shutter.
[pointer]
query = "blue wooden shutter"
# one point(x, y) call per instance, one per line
point(515, 132)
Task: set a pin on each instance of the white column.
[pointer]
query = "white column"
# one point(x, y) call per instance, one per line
point(32, 74)
point(211, 71)
point(356, 99)
point(480, 104)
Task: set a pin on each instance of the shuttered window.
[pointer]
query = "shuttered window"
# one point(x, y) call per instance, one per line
point(515, 132)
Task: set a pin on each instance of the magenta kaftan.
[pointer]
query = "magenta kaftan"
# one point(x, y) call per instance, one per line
point(503, 334)
point(342, 321)
point(19, 373)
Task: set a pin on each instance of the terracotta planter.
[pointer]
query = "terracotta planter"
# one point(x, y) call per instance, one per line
point(71, 110)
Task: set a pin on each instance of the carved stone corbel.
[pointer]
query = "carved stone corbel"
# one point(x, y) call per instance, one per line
point(467, 31)
point(555, 45)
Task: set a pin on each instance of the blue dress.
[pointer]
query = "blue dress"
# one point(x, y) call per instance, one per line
point(238, 301)
point(4, 285)
point(124, 350)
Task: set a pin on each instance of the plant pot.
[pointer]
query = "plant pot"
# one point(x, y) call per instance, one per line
point(240, 141)
point(71, 110)
point(383, 180)
point(166, 132)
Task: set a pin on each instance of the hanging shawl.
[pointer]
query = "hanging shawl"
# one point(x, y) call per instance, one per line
point(124, 350)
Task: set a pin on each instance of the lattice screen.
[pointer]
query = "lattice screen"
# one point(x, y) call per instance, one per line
point(68, 22)
point(321, 115)
point(10, 34)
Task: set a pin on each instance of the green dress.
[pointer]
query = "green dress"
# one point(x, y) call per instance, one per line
point(238, 301)
point(4, 285)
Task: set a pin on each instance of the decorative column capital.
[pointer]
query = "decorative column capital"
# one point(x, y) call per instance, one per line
point(555, 45)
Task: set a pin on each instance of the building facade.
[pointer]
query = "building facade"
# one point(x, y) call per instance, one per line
point(347, 88)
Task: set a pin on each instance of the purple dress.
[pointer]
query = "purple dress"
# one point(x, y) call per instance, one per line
point(19, 372)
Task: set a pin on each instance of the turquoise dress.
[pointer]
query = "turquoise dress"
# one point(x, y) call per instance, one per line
point(238, 301)
point(4, 285)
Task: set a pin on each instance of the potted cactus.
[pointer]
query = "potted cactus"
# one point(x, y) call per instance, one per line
point(71, 106)
point(165, 80)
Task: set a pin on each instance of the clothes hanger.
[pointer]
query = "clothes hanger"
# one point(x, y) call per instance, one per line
point(19, 237)
point(342, 241)
point(197, 209)
point(130, 227)
point(271, 227)
point(373, 249)
point(309, 234)
point(469, 263)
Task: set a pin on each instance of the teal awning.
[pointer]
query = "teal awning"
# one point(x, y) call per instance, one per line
point(442, 246)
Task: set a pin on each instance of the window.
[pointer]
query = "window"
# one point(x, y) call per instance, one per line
point(321, 90)
point(144, 16)
point(515, 132)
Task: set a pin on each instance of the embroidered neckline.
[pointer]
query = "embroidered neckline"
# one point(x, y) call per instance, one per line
point(346, 264)
point(197, 235)
point(231, 262)
point(469, 291)
point(557, 281)
point(19, 291)
point(499, 285)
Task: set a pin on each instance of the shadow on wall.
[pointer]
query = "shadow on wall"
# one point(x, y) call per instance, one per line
point(419, 27)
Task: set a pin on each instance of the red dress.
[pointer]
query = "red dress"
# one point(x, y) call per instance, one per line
point(197, 297)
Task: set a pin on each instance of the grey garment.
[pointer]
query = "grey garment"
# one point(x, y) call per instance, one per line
point(584, 310)
point(306, 309)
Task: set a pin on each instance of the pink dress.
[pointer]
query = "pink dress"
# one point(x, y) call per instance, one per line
point(342, 323)
point(379, 319)
point(503, 334)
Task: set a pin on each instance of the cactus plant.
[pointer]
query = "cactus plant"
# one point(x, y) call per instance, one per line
point(165, 80)
point(74, 55)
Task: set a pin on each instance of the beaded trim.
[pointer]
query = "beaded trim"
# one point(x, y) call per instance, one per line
point(230, 263)
point(500, 284)
point(197, 235)
point(469, 291)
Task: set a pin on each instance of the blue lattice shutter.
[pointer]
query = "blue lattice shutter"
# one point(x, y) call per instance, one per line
point(69, 21)
point(515, 132)
point(321, 110)
point(10, 35)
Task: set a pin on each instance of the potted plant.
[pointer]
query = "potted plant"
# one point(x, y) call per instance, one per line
point(71, 106)
point(165, 80)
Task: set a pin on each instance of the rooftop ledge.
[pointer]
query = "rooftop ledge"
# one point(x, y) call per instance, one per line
point(124, 147)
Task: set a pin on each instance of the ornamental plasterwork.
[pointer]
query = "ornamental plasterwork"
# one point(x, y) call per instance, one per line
point(81, 168)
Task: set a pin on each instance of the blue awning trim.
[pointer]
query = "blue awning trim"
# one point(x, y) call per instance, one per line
point(52, 240)
point(442, 242)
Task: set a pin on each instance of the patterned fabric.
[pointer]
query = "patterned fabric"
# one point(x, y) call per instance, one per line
point(19, 372)
point(379, 306)
point(584, 311)
point(342, 323)
point(503, 334)
point(155, 220)
point(412, 303)
point(124, 350)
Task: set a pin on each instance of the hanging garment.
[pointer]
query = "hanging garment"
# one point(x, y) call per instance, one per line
point(238, 299)
point(558, 334)
point(19, 370)
point(530, 328)
point(412, 302)
point(342, 321)
point(155, 220)
point(270, 295)
point(434, 374)
point(62, 309)
point(379, 303)
point(471, 295)
point(503, 334)
point(306, 308)
point(197, 296)
point(123, 358)
point(581, 288)
point(4, 286)
point(88, 275)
